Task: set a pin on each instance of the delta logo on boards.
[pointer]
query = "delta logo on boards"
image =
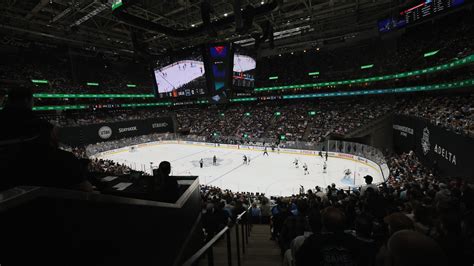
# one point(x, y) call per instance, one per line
point(105, 132)
point(443, 152)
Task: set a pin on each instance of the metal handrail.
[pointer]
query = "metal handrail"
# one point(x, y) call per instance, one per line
point(207, 248)
point(208, 245)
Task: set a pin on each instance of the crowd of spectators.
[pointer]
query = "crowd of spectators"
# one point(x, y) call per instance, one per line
point(81, 118)
point(362, 226)
point(454, 113)
point(415, 218)
point(302, 120)
point(400, 55)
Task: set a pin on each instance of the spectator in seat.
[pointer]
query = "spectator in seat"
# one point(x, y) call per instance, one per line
point(23, 124)
point(266, 210)
point(279, 218)
point(368, 181)
point(255, 213)
point(410, 248)
point(396, 222)
point(294, 225)
point(163, 186)
point(29, 141)
point(332, 246)
point(363, 234)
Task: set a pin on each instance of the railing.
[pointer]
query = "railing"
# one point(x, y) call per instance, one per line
point(240, 243)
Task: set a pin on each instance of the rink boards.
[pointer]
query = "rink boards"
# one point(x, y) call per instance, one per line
point(184, 154)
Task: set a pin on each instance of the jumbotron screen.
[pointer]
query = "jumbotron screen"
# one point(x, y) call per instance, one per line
point(244, 67)
point(180, 75)
point(183, 74)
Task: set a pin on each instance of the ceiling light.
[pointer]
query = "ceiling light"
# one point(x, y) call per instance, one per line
point(225, 14)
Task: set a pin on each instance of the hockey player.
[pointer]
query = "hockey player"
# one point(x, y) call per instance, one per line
point(305, 168)
point(214, 160)
point(321, 154)
point(245, 159)
point(295, 162)
point(325, 167)
point(265, 152)
point(347, 174)
point(201, 162)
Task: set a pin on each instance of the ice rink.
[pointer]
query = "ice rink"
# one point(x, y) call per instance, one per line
point(274, 174)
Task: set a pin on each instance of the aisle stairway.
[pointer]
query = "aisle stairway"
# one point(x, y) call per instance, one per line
point(260, 250)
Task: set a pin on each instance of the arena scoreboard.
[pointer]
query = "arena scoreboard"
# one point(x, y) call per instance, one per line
point(417, 11)
point(218, 63)
point(428, 8)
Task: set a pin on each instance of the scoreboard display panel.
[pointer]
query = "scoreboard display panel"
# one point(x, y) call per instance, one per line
point(417, 11)
point(428, 8)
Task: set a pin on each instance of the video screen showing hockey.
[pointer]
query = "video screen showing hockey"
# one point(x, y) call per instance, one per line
point(180, 75)
point(244, 67)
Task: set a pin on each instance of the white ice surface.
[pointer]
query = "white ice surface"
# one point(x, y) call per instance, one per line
point(274, 174)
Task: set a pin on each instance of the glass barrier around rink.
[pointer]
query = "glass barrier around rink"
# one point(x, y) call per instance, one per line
point(356, 149)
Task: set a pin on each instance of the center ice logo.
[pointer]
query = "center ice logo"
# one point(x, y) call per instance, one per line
point(206, 162)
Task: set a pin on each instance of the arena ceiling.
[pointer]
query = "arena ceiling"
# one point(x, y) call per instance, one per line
point(297, 24)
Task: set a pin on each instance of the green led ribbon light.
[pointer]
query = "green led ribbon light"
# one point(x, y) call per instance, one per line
point(243, 99)
point(146, 104)
point(367, 66)
point(466, 60)
point(39, 81)
point(60, 107)
point(53, 95)
point(443, 86)
point(430, 53)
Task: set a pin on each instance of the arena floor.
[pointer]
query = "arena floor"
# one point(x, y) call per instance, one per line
point(274, 174)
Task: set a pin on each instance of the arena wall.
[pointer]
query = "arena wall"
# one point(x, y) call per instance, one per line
point(88, 134)
point(449, 154)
